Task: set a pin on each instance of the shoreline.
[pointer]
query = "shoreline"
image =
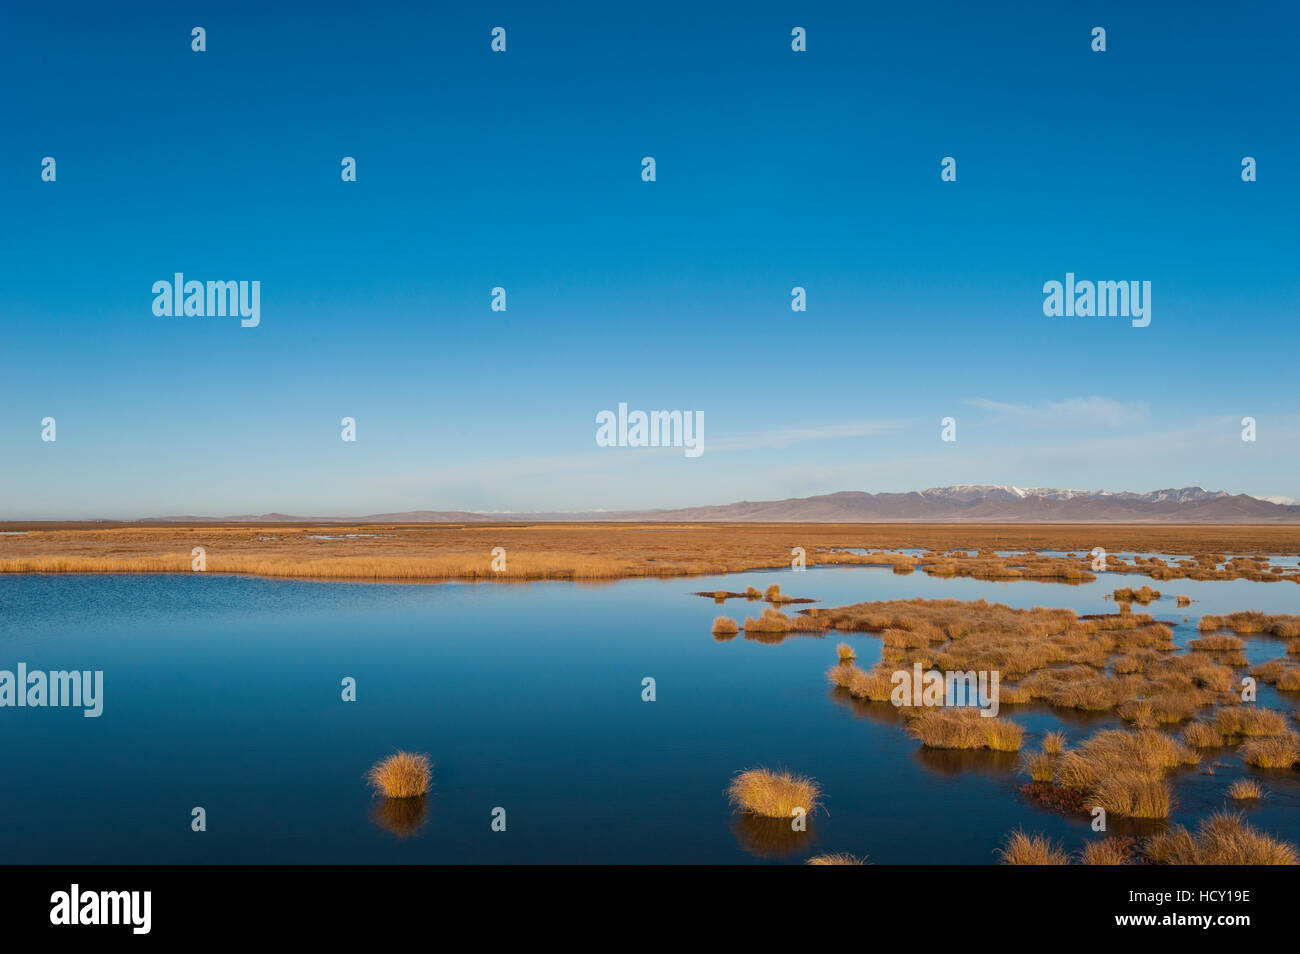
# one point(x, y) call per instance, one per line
point(580, 552)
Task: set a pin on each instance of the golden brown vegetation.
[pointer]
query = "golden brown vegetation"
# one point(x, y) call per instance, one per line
point(1245, 789)
point(771, 794)
point(724, 626)
point(837, 858)
point(1221, 839)
point(1106, 851)
point(1272, 752)
point(1249, 720)
point(946, 727)
point(1022, 848)
point(401, 775)
point(596, 551)
point(1129, 595)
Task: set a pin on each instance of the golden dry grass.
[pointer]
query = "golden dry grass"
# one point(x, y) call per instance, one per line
point(1249, 720)
point(1104, 851)
point(1142, 595)
point(845, 652)
point(597, 551)
point(1022, 848)
point(1202, 735)
point(946, 727)
point(836, 858)
point(1272, 752)
point(725, 625)
point(1040, 766)
point(1216, 643)
point(1223, 838)
point(761, 791)
point(401, 775)
point(1245, 789)
point(1124, 771)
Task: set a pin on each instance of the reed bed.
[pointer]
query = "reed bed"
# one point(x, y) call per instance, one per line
point(1272, 752)
point(1022, 848)
point(761, 791)
point(1223, 838)
point(944, 727)
point(398, 550)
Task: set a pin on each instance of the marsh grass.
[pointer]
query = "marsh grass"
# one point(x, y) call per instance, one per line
point(1223, 838)
point(1022, 848)
point(1202, 735)
point(948, 727)
point(761, 791)
point(1143, 595)
point(1114, 850)
point(1249, 720)
point(401, 775)
point(1272, 752)
point(400, 550)
point(1216, 643)
point(837, 858)
point(1245, 789)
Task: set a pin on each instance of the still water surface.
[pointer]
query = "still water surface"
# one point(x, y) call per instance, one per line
point(224, 692)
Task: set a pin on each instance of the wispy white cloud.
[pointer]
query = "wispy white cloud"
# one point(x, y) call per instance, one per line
point(784, 437)
point(1075, 412)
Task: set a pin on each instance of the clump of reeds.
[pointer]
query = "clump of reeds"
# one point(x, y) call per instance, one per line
point(950, 727)
point(1105, 851)
point(1124, 772)
point(1022, 848)
point(1273, 751)
point(770, 622)
point(1245, 790)
point(1054, 742)
point(1216, 643)
point(836, 858)
point(845, 652)
point(876, 685)
point(1202, 735)
point(753, 593)
point(1223, 838)
point(1041, 767)
point(1132, 795)
point(401, 775)
point(725, 626)
point(1183, 600)
point(761, 791)
point(1249, 720)
point(1143, 595)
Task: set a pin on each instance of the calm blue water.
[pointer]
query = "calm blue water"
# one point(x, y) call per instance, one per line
point(224, 692)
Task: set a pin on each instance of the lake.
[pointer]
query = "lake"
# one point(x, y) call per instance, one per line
point(224, 692)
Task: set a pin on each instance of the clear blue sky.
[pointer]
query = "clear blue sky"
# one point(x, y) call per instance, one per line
point(522, 169)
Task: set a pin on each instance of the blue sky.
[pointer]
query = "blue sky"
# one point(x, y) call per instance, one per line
point(522, 170)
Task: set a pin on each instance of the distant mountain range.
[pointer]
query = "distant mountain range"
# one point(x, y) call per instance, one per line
point(964, 503)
